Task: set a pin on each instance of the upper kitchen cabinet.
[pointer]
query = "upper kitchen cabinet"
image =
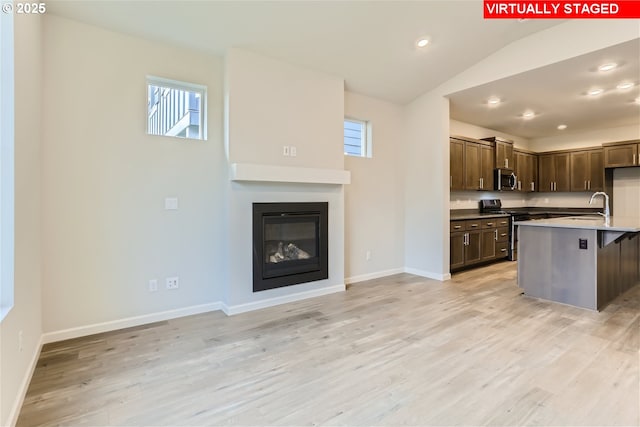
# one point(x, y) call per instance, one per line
point(526, 170)
point(504, 152)
point(587, 170)
point(456, 164)
point(471, 164)
point(622, 154)
point(554, 172)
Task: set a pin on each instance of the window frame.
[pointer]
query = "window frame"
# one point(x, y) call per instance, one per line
point(366, 146)
point(180, 85)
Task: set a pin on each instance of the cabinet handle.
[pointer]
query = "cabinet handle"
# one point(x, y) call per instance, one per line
point(490, 224)
point(503, 234)
point(481, 182)
point(551, 184)
point(466, 239)
point(457, 227)
point(533, 186)
point(589, 184)
point(585, 185)
point(506, 163)
point(519, 185)
point(503, 250)
point(496, 235)
point(473, 226)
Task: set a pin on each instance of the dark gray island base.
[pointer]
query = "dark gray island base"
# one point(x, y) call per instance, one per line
point(581, 261)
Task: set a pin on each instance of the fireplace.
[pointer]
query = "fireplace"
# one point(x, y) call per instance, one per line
point(290, 244)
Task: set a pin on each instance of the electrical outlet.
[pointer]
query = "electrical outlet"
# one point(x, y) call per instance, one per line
point(20, 341)
point(172, 283)
point(285, 150)
point(171, 203)
point(293, 151)
point(153, 285)
point(368, 255)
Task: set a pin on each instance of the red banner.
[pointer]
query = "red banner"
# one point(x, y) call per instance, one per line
point(495, 9)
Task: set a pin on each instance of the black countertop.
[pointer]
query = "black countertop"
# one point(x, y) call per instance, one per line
point(459, 214)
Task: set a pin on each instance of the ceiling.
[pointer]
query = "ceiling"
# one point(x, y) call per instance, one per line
point(557, 94)
point(371, 45)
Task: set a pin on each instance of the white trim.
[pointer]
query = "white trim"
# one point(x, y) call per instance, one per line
point(128, 322)
point(24, 386)
point(252, 172)
point(375, 275)
point(428, 274)
point(270, 302)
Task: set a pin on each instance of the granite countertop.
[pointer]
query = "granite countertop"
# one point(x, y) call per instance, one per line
point(461, 214)
point(624, 224)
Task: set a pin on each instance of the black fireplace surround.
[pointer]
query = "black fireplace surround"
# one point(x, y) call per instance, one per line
point(290, 244)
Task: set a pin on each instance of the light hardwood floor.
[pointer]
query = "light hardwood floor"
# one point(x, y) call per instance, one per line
point(400, 350)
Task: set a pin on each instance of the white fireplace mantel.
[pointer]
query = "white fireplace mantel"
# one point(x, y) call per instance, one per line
point(267, 173)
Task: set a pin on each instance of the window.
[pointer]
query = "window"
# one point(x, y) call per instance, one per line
point(176, 108)
point(6, 164)
point(357, 138)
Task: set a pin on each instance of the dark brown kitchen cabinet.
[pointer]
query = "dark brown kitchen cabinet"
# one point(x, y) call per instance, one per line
point(587, 170)
point(526, 170)
point(622, 154)
point(471, 164)
point(456, 164)
point(503, 149)
point(554, 172)
point(477, 240)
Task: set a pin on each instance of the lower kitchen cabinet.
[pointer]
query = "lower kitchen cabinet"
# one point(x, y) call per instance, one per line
point(477, 241)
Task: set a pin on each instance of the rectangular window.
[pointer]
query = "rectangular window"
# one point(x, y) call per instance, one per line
point(176, 108)
point(6, 164)
point(357, 138)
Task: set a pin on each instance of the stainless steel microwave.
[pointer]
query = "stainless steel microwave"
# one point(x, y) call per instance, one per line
point(505, 179)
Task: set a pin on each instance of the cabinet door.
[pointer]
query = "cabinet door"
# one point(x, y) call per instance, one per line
point(472, 166)
point(456, 250)
point(620, 155)
point(596, 168)
point(488, 250)
point(580, 171)
point(546, 172)
point(456, 164)
point(473, 250)
point(533, 176)
point(520, 168)
point(504, 155)
point(563, 172)
point(487, 166)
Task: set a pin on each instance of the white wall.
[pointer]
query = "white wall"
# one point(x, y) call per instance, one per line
point(25, 316)
point(626, 192)
point(272, 104)
point(585, 139)
point(374, 201)
point(426, 164)
point(472, 131)
point(105, 229)
point(429, 125)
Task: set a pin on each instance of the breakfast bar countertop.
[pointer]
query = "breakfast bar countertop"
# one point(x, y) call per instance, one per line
point(623, 224)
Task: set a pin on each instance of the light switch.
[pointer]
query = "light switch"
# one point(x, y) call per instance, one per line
point(171, 203)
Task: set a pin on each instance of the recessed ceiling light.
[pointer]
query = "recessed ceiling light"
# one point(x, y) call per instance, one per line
point(608, 66)
point(625, 85)
point(422, 42)
point(493, 101)
point(528, 114)
point(562, 127)
point(595, 92)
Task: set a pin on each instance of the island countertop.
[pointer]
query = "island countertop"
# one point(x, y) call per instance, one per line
point(623, 224)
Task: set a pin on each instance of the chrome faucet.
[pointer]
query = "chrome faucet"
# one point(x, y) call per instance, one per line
point(606, 203)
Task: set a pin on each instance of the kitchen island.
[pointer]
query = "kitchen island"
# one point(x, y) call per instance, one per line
point(584, 261)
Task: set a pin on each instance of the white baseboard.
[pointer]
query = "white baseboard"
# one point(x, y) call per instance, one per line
point(270, 302)
point(24, 386)
point(128, 322)
point(370, 276)
point(428, 274)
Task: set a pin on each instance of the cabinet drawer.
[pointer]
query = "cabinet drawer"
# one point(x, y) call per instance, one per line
point(473, 224)
point(502, 222)
point(503, 234)
point(490, 223)
point(501, 249)
point(457, 226)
